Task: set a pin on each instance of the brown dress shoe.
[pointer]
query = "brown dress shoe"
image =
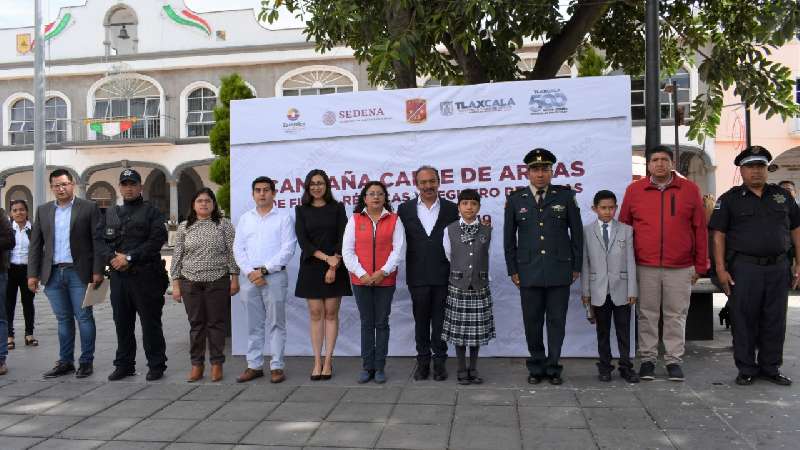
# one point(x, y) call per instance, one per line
point(196, 373)
point(249, 375)
point(216, 372)
point(277, 376)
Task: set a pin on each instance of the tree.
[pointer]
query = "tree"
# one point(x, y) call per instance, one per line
point(233, 88)
point(476, 41)
point(590, 63)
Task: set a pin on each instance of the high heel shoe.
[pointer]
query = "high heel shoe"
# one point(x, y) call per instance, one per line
point(329, 375)
point(316, 377)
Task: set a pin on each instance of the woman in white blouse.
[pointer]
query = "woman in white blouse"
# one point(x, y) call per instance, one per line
point(205, 276)
point(18, 274)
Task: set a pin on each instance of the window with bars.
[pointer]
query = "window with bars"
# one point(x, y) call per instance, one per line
point(316, 82)
point(21, 125)
point(666, 98)
point(200, 112)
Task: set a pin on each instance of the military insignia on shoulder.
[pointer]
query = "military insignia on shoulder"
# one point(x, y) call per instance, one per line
point(558, 208)
point(779, 198)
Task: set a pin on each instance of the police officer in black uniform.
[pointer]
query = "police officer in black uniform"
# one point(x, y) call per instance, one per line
point(543, 242)
point(131, 237)
point(754, 225)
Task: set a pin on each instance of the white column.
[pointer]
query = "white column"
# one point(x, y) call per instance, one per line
point(173, 200)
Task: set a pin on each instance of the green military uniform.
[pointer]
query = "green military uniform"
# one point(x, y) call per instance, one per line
point(543, 242)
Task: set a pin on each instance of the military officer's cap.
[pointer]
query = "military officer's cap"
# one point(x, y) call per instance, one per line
point(130, 175)
point(539, 157)
point(755, 154)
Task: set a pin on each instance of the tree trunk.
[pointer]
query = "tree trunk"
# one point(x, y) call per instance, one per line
point(474, 72)
point(399, 20)
point(561, 46)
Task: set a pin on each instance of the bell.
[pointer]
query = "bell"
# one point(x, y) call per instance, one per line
point(123, 34)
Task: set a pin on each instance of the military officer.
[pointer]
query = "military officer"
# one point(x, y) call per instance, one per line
point(754, 225)
point(543, 243)
point(130, 240)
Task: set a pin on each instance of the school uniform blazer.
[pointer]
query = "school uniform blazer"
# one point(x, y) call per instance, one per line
point(611, 271)
point(82, 233)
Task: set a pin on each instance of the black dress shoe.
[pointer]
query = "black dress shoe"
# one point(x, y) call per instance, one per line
point(84, 370)
point(778, 378)
point(60, 369)
point(463, 377)
point(604, 377)
point(439, 371)
point(744, 380)
point(535, 379)
point(154, 374)
point(121, 372)
point(422, 372)
point(629, 375)
point(475, 377)
point(556, 380)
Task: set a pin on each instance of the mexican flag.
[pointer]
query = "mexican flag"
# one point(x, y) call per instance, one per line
point(187, 18)
point(112, 128)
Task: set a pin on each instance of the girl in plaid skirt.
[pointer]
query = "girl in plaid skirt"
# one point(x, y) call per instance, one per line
point(468, 318)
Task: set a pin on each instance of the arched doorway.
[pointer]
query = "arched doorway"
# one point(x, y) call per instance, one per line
point(188, 183)
point(102, 193)
point(19, 192)
point(156, 191)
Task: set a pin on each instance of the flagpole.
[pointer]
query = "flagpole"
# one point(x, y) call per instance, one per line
point(39, 164)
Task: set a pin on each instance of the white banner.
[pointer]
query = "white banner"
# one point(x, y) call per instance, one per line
point(475, 135)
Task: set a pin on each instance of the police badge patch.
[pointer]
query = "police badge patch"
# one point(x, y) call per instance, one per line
point(779, 198)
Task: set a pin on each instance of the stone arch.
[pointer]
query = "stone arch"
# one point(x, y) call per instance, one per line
point(19, 191)
point(98, 185)
point(4, 174)
point(89, 171)
point(314, 68)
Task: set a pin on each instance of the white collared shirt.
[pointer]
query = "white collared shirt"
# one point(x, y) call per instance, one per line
point(428, 216)
point(544, 191)
point(600, 224)
point(349, 246)
point(19, 255)
point(267, 240)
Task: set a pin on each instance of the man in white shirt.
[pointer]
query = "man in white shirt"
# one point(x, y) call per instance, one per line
point(427, 270)
point(265, 242)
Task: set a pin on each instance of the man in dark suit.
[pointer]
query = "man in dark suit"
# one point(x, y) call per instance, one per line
point(7, 242)
point(543, 242)
point(62, 257)
point(427, 270)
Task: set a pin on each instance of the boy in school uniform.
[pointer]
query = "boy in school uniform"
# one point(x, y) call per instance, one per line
point(608, 280)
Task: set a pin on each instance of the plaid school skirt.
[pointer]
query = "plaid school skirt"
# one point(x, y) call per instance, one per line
point(468, 318)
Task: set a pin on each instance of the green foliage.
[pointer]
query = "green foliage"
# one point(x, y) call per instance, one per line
point(590, 63)
point(233, 88)
point(401, 39)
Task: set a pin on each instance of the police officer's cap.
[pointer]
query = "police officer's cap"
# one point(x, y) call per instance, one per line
point(539, 157)
point(130, 175)
point(755, 154)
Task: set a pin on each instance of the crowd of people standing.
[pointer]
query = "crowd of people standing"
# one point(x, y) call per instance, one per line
point(648, 259)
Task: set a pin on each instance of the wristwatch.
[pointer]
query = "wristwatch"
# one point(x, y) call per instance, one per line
point(128, 258)
point(264, 270)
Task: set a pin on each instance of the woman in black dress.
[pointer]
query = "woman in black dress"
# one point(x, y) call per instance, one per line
point(322, 279)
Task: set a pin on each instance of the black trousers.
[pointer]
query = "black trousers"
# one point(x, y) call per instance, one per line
point(18, 281)
point(428, 308)
point(758, 316)
point(542, 305)
point(139, 292)
point(621, 317)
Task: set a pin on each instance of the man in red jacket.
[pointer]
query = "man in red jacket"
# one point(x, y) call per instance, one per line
point(670, 241)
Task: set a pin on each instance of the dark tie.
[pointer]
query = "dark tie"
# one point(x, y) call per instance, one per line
point(539, 197)
point(605, 235)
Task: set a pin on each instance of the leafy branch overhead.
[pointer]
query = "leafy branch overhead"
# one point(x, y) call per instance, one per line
point(477, 41)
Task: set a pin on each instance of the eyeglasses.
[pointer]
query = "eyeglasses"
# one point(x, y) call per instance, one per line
point(376, 194)
point(60, 186)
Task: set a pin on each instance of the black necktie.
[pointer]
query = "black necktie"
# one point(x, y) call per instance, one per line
point(539, 196)
point(605, 235)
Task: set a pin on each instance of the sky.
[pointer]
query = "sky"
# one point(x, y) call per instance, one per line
point(19, 13)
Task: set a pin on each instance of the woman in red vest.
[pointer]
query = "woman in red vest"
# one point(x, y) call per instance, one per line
point(372, 248)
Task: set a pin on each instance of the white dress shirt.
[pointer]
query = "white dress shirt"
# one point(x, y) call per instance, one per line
point(19, 255)
point(349, 246)
point(428, 216)
point(267, 240)
point(610, 224)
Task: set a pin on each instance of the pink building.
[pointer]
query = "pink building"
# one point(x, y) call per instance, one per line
point(781, 138)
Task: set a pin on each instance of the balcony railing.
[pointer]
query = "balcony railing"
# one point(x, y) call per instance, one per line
point(124, 129)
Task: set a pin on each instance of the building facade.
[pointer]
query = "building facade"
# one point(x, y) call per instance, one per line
point(134, 85)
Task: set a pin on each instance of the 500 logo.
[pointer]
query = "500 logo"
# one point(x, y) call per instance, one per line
point(548, 101)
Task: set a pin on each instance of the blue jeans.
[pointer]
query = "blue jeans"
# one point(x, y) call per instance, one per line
point(374, 306)
point(3, 320)
point(65, 291)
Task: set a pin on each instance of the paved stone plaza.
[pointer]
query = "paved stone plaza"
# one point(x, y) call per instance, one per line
point(708, 411)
